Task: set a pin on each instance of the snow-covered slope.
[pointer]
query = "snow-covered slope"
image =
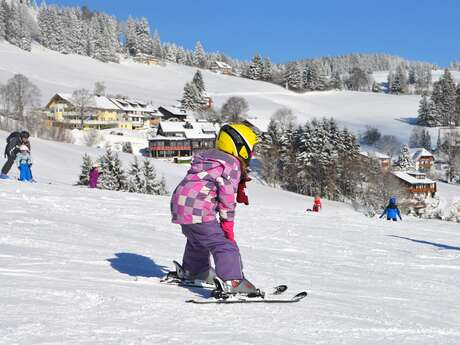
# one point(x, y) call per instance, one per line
point(54, 72)
point(81, 266)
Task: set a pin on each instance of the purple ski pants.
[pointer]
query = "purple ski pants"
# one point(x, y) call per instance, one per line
point(208, 238)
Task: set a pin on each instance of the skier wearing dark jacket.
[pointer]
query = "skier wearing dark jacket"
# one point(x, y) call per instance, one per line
point(392, 210)
point(13, 142)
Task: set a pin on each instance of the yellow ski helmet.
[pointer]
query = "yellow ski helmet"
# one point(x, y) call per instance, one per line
point(238, 140)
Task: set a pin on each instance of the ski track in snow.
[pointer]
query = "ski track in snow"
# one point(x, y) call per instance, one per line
point(81, 266)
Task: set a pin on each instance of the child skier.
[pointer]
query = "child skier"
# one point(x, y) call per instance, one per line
point(208, 189)
point(94, 176)
point(392, 210)
point(24, 162)
point(317, 204)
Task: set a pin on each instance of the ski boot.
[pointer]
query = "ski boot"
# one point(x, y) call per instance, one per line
point(186, 278)
point(228, 288)
point(4, 177)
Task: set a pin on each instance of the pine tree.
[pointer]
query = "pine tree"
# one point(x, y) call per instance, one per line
point(181, 56)
point(112, 174)
point(444, 99)
point(425, 140)
point(157, 49)
point(255, 68)
point(83, 179)
point(191, 99)
point(136, 181)
point(399, 83)
point(3, 17)
point(426, 114)
point(199, 56)
point(404, 161)
point(336, 82)
point(151, 183)
point(131, 37)
point(293, 77)
point(199, 82)
point(143, 40)
point(267, 73)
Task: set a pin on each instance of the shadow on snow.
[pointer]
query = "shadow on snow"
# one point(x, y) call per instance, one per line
point(439, 245)
point(137, 265)
point(141, 266)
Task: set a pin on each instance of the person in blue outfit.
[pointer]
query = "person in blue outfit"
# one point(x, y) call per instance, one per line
point(24, 162)
point(392, 210)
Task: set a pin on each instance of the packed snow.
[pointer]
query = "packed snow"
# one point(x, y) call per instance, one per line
point(53, 72)
point(80, 266)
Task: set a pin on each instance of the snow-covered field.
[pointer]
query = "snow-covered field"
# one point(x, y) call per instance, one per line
point(53, 72)
point(81, 266)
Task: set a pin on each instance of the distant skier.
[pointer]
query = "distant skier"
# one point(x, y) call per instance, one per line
point(208, 189)
point(317, 206)
point(24, 164)
point(13, 142)
point(94, 176)
point(392, 210)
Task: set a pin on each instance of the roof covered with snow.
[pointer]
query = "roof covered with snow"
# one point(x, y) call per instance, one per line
point(375, 154)
point(419, 152)
point(410, 178)
point(191, 130)
point(222, 64)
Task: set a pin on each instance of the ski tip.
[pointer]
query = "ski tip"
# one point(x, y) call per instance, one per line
point(300, 295)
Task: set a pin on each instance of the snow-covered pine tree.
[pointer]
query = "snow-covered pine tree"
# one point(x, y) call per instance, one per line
point(170, 52)
point(136, 180)
point(445, 101)
point(24, 33)
point(199, 55)
point(3, 17)
point(293, 77)
point(426, 115)
point(457, 106)
point(267, 73)
point(255, 68)
point(404, 161)
point(181, 56)
point(83, 179)
point(152, 185)
point(143, 40)
point(191, 98)
point(336, 81)
point(399, 83)
point(199, 82)
point(312, 80)
point(157, 49)
point(131, 37)
point(113, 176)
point(425, 140)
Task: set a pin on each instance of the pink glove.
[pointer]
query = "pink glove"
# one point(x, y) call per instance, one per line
point(227, 228)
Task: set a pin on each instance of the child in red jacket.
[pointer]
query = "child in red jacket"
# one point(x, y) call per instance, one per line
point(317, 204)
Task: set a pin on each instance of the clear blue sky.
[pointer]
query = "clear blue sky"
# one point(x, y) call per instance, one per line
point(289, 30)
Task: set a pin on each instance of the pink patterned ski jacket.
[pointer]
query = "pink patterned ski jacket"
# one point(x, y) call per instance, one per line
point(208, 188)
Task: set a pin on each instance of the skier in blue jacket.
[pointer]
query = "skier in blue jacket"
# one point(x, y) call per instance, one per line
point(392, 210)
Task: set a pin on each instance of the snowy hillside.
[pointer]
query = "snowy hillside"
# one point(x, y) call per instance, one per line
point(53, 72)
point(81, 266)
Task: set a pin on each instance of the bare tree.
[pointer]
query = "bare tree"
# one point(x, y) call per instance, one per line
point(100, 88)
point(20, 95)
point(235, 109)
point(285, 118)
point(82, 100)
point(92, 138)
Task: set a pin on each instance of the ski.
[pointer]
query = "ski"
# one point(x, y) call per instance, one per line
point(243, 299)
